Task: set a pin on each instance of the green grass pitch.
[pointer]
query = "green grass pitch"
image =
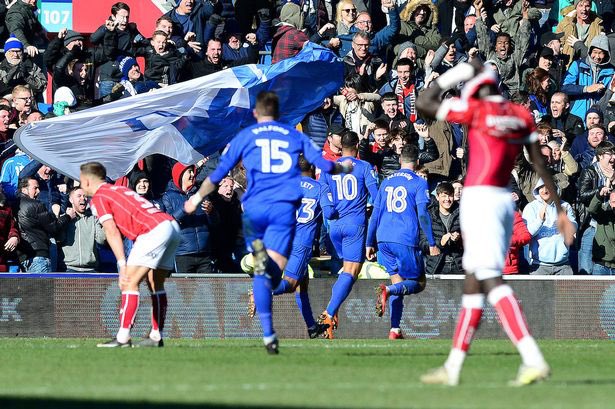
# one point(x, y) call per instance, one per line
point(72, 373)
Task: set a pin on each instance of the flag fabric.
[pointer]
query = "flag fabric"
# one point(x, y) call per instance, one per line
point(185, 121)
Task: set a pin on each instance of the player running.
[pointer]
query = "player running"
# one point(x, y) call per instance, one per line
point(122, 211)
point(270, 153)
point(315, 202)
point(402, 199)
point(497, 131)
point(348, 231)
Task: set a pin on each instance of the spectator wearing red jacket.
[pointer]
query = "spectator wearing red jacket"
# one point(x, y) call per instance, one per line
point(520, 237)
point(9, 235)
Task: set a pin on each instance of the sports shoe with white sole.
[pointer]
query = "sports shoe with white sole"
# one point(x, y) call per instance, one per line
point(528, 375)
point(440, 376)
point(114, 343)
point(149, 343)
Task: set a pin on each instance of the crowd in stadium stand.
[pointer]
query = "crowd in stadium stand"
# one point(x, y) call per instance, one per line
point(555, 58)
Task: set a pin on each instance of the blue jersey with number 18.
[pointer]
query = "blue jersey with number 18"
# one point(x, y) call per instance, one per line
point(270, 153)
point(395, 218)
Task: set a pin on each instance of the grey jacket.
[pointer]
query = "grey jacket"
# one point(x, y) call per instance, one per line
point(78, 241)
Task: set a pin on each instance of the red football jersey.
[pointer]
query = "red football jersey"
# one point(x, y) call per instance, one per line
point(132, 214)
point(498, 129)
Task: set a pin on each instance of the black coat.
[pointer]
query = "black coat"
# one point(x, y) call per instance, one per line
point(36, 225)
point(434, 264)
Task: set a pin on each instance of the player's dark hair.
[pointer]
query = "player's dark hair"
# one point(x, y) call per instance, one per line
point(267, 104)
point(304, 165)
point(381, 124)
point(350, 140)
point(119, 6)
point(404, 61)
point(23, 182)
point(389, 96)
point(95, 169)
point(445, 187)
point(409, 154)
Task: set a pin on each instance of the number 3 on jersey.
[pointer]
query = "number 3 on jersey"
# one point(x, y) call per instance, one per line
point(305, 214)
point(396, 199)
point(346, 186)
point(273, 149)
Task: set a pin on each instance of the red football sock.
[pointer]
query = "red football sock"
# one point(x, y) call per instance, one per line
point(159, 310)
point(128, 309)
point(468, 321)
point(509, 311)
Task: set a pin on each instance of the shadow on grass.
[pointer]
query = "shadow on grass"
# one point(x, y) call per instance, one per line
point(39, 403)
point(586, 382)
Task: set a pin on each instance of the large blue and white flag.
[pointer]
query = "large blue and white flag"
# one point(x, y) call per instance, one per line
point(185, 121)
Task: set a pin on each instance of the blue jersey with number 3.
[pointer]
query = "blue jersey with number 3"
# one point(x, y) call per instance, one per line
point(350, 191)
point(314, 202)
point(270, 153)
point(395, 218)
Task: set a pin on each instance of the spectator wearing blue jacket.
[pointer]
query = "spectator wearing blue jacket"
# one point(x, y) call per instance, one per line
point(381, 39)
point(9, 178)
point(586, 80)
point(194, 251)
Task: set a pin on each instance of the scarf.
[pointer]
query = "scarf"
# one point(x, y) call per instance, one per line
point(401, 96)
point(350, 114)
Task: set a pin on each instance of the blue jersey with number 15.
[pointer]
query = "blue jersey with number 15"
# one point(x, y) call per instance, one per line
point(270, 153)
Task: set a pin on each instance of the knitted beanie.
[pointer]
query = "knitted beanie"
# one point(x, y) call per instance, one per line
point(12, 43)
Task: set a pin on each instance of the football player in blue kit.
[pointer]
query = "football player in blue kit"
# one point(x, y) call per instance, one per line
point(349, 194)
point(270, 153)
point(315, 202)
point(399, 208)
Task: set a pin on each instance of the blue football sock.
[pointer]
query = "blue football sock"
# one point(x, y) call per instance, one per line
point(274, 273)
point(284, 287)
point(303, 302)
point(263, 300)
point(396, 304)
point(404, 288)
point(339, 292)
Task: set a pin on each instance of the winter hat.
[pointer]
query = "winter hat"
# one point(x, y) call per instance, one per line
point(602, 42)
point(135, 177)
point(405, 45)
point(595, 110)
point(71, 36)
point(178, 171)
point(13, 43)
point(126, 63)
point(64, 94)
point(291, 14)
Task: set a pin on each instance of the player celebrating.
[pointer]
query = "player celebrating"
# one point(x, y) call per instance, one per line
point(314, 203)
point(270, 153)
point(348, 231)
point(497, 131)
point(394, 226)
point(122, 211)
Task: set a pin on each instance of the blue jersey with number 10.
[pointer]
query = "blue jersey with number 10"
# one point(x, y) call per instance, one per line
point(350, 191)
point(395, 217)
point(315, 201)
point(270, 153)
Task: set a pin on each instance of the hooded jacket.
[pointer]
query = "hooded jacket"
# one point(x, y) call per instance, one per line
point(520, 237)
point(426, 37)
point(196, 227)
point(583, 73)
point(547, 246)
point(288, 40)
point(78, 242)
point(603, 248)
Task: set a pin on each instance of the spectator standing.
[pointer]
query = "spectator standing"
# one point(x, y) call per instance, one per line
point(419, 21)
point(405, 88)
point(548, 251)
point(520, 237)
point(23, 22)
point(580, 25)
point(564, 124)
point(190, 19)
point(37, 226)
point(79, 237)
point(603, 250)
point(227, 237)
point(587, 80)
point(17, 69)
point(446, 233)
point(316, 123)
point(9, 178)
point(194, 253)
point(9, 235)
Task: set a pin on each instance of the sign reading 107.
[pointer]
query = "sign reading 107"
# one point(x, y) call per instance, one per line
point(56, 15)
